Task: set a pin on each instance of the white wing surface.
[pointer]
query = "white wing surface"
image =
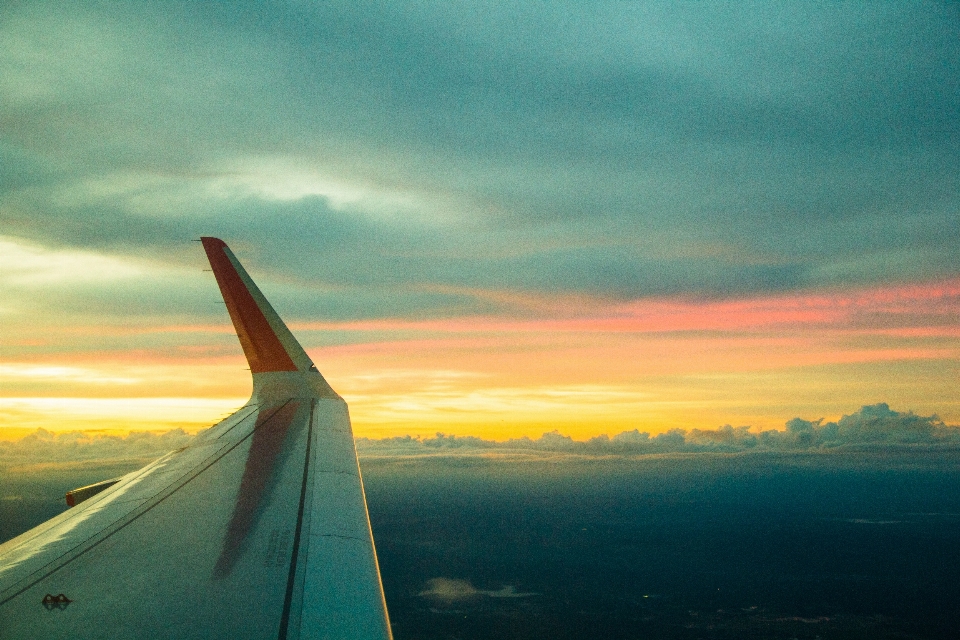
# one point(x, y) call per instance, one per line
point(257, 529)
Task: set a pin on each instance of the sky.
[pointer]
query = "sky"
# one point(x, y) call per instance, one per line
point(488, 220)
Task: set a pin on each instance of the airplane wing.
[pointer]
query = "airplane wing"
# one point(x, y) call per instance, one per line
point(257, 529)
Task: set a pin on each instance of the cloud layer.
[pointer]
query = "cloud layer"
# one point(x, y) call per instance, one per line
point(53, 449)
point(872, 426)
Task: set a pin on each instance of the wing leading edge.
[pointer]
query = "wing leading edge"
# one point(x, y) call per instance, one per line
point(257, 529)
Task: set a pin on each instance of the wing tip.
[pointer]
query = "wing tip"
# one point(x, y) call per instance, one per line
point(209, 242)
point(258, 326)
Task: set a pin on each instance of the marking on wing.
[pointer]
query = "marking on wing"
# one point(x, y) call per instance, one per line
point(265, 447)
point(277, 548)
point(341, 537)
point(59, 602)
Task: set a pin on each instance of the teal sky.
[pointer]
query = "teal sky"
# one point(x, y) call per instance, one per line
point(398, 149)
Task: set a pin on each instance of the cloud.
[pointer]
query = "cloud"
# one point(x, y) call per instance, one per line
point(17, 371)
point(875, 424)
point(872, 426)
point(49, 449)
point(449, 590)
point(118, 414)
point(622, 149)
point(23, 264)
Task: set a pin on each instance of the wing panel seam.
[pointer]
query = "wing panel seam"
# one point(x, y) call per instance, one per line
point(291, 578)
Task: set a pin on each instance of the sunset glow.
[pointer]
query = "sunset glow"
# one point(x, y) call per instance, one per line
point(496, 222)
point(652, 365)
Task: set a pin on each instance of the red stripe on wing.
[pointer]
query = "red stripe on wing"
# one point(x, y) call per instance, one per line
point(260, 344)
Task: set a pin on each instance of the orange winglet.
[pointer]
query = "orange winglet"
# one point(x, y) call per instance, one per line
point(260, 343)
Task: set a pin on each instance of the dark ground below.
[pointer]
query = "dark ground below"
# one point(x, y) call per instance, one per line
point(702, 546)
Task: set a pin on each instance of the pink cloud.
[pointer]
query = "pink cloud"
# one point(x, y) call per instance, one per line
point(925, 308)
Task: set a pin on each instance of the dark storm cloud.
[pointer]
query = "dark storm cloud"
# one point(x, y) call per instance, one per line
point(626, 149)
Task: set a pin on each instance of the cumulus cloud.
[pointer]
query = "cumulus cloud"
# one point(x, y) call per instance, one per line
point(49, 448)
point(873, 425)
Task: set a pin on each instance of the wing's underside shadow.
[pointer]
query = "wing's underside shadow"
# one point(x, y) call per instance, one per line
point(266, 453)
